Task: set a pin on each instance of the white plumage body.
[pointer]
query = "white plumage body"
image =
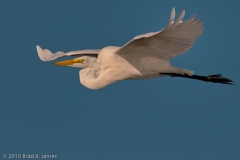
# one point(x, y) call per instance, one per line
point(110, 68)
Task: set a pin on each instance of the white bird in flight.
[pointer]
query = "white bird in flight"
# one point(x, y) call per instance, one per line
point(145, 56)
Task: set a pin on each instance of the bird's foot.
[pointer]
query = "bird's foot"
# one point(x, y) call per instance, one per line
point(217, 78)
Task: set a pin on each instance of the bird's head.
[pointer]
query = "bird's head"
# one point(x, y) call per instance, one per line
point(79, 62)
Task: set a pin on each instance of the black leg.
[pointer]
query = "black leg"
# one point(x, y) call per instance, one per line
point(217, 78)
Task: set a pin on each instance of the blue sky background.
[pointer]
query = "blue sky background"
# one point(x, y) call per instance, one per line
point(44, 109)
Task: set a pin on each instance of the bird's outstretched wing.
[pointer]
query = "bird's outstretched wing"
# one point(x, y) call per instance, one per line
point(175, 39)
point(46, 55)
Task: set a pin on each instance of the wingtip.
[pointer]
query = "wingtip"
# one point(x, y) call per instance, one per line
point(172, 16)
point(180, 17)
point(40, 53)
point(39, 49)
point(183, 11)
point(173, 12)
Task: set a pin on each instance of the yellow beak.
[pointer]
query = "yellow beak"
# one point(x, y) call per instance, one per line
point(68, 62)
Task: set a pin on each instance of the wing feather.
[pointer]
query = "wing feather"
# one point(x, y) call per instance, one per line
point(175, 39)
point(46, 55)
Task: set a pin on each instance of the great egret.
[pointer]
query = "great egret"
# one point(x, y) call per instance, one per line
point(146, 56)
